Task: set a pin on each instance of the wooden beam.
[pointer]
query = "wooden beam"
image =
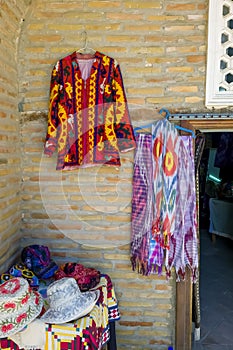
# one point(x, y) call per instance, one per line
point(184, 313)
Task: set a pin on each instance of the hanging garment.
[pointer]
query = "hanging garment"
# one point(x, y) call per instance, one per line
point(196, 311)
point(164, 154)
point(88, 119)
point(183, 244)
point(224, 153)
point(142, 203)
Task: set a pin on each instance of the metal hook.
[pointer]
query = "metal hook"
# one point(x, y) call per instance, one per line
point(163, 110)
point(84, 34)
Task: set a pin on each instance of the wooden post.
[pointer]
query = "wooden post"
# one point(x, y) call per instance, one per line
point(184, 313)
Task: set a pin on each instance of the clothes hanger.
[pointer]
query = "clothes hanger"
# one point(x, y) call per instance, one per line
point(85, 50)
point(167, 115)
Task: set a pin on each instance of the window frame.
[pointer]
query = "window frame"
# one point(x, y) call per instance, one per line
point(214, 97)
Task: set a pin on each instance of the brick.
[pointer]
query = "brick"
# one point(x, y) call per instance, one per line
point(179, 28)
point(151, 91)
point(164, 100)
point(141, 28)
point(182, 49)
point(65, 27)
point(165, 18)
point(122, 16)
point(181, 69)
point(196, 59)
point(193, 99)
point(184, 88)
point(104, 4)
point(153, 4)
point(44, 38)
point(181, 7)
point(122, 38)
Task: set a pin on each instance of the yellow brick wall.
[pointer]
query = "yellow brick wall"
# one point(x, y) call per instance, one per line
point(10, 156)
point(84, 215)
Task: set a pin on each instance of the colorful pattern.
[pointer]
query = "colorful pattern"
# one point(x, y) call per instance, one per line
point(191, 240)
point(170, 222)
point(183, 249)
point(164, 155)
point(37, 258)
point(142, 203)
point(88, 120)
point(86, 277)
point(20, 270)
point(87, 333)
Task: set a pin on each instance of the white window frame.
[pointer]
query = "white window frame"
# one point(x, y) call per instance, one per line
point(214, 76)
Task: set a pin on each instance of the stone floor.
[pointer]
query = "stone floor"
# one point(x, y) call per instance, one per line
point(216, 294)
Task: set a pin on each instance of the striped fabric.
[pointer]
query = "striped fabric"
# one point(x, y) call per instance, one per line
point(184, 246)
point(142, 203)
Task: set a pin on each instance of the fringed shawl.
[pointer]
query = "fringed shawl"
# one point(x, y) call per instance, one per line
point(142, 203)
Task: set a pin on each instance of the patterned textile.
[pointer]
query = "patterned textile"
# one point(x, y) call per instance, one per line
point(142, 203)
point(37, 258)
point(183, 245)
point(86, 277)
point(88, 118)
point(165, 154)
point(164, 214)
point(87, 333)
point(20, 270)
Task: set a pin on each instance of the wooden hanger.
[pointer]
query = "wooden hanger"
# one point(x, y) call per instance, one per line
point(85, 50)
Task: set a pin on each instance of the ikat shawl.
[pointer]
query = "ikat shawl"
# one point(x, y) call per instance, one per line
point(164, 160)
point(164, 224)
point(142, 203)
point(183, 244)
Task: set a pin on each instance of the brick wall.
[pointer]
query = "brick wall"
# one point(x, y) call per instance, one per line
point(84, 215)
point(10, 156)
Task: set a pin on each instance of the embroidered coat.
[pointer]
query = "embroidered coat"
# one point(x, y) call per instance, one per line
point(88, 119)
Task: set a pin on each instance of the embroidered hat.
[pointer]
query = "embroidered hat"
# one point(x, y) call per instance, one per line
point(20, 270)
point(19, 305)
point(37, 258)
point(66, 301)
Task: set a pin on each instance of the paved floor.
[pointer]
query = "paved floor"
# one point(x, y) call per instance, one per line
point(216, 294)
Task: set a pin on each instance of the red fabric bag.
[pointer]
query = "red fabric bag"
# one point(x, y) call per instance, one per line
point(86, 277)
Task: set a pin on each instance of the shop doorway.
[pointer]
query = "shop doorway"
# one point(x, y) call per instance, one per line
point(184, 290)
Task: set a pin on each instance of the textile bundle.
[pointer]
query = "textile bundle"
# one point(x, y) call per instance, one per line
point(164, 203)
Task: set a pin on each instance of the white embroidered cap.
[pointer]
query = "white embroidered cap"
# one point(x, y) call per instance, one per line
point(66, 301)
point(19, 305)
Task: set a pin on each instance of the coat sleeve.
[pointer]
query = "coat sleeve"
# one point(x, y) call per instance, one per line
point(53, 120)
point(123, 127)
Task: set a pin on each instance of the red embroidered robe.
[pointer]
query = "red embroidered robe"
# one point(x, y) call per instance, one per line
point(88, 119)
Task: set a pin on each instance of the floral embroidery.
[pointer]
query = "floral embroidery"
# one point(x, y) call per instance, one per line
point(19, 305)
point(21, 317)
point(11, 288)
point(7, 327)
point(10, 305)
point(24, 300)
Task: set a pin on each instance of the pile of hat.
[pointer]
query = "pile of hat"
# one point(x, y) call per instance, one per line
point(36, 264)
point(66, 298)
